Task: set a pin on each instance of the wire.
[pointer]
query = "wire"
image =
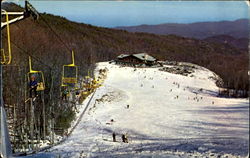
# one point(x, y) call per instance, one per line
point(27, 53)
point(60, 39)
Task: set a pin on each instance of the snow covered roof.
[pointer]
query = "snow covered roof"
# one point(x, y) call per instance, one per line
point(122, 55)
point(141, 56)
point(144, 56)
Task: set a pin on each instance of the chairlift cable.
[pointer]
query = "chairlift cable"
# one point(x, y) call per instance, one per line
point(60, 39)
point(29, 54)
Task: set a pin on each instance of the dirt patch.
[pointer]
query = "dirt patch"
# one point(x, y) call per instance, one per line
point(179, 69)
point(113, 96)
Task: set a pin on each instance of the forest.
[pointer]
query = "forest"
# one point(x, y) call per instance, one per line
point(93, 44)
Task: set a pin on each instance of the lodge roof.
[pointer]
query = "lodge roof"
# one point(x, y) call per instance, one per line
point(144, 56)
point(122, 56)
point(140, 56)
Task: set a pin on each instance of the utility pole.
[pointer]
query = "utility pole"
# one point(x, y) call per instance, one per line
point(32, 124)
point(1, 73)
point(5, 149)
point(44, 124)
point(5, 146)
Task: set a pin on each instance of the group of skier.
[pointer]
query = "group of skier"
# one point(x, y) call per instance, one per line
point(124, 137)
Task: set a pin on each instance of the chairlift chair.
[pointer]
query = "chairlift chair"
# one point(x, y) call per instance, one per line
point(70, 73)
point(38, 76)
point(15, 17)
point(6, 57)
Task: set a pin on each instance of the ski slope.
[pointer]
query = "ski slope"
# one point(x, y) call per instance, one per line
point(169, 115)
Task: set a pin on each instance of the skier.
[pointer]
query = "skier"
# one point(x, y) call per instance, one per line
point(124, 138)
point(33, 86)
point(77, 93)
point(114, 135)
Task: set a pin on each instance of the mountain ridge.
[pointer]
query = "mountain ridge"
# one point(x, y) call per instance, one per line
point(200, 30)
point(241, 43)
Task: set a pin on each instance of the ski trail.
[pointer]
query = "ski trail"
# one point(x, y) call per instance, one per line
point(169, 116)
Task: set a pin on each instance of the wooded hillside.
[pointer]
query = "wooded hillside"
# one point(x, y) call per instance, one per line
point(93, 44)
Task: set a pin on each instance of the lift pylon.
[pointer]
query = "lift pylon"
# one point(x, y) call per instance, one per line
point(5, 58)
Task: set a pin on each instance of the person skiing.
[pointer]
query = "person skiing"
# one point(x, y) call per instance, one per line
point(114, 137)
point(125, 138)
point(33, 85)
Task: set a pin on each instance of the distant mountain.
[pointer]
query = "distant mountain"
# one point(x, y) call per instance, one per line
point(200, 30)
point(241, 43)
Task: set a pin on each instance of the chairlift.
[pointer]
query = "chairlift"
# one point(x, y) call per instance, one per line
point(96, 83)
point(70, 73)
point(6, 57)
point(39, 77)
point(18, 16)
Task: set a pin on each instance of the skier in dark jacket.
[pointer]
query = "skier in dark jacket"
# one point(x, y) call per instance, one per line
point(124, 138)
point(65, 93)
point(33, 86)
point(114, 137)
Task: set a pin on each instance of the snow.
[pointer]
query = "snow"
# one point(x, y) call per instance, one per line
point(169, 115)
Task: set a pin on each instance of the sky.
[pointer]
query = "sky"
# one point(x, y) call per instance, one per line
point(130, 13)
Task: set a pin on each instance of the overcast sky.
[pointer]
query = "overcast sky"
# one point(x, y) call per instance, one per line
point(129, 13)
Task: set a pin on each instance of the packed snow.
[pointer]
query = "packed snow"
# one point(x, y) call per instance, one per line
point(163, 115)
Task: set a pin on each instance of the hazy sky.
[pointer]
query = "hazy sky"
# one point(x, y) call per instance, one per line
point(128, 13)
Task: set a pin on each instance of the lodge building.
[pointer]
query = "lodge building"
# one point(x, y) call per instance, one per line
point(141, 59)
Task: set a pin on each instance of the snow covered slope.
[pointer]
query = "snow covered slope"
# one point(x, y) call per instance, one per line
point(169, 115)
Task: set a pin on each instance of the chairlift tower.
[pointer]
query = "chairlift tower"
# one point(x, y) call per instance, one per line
point(5, 59)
